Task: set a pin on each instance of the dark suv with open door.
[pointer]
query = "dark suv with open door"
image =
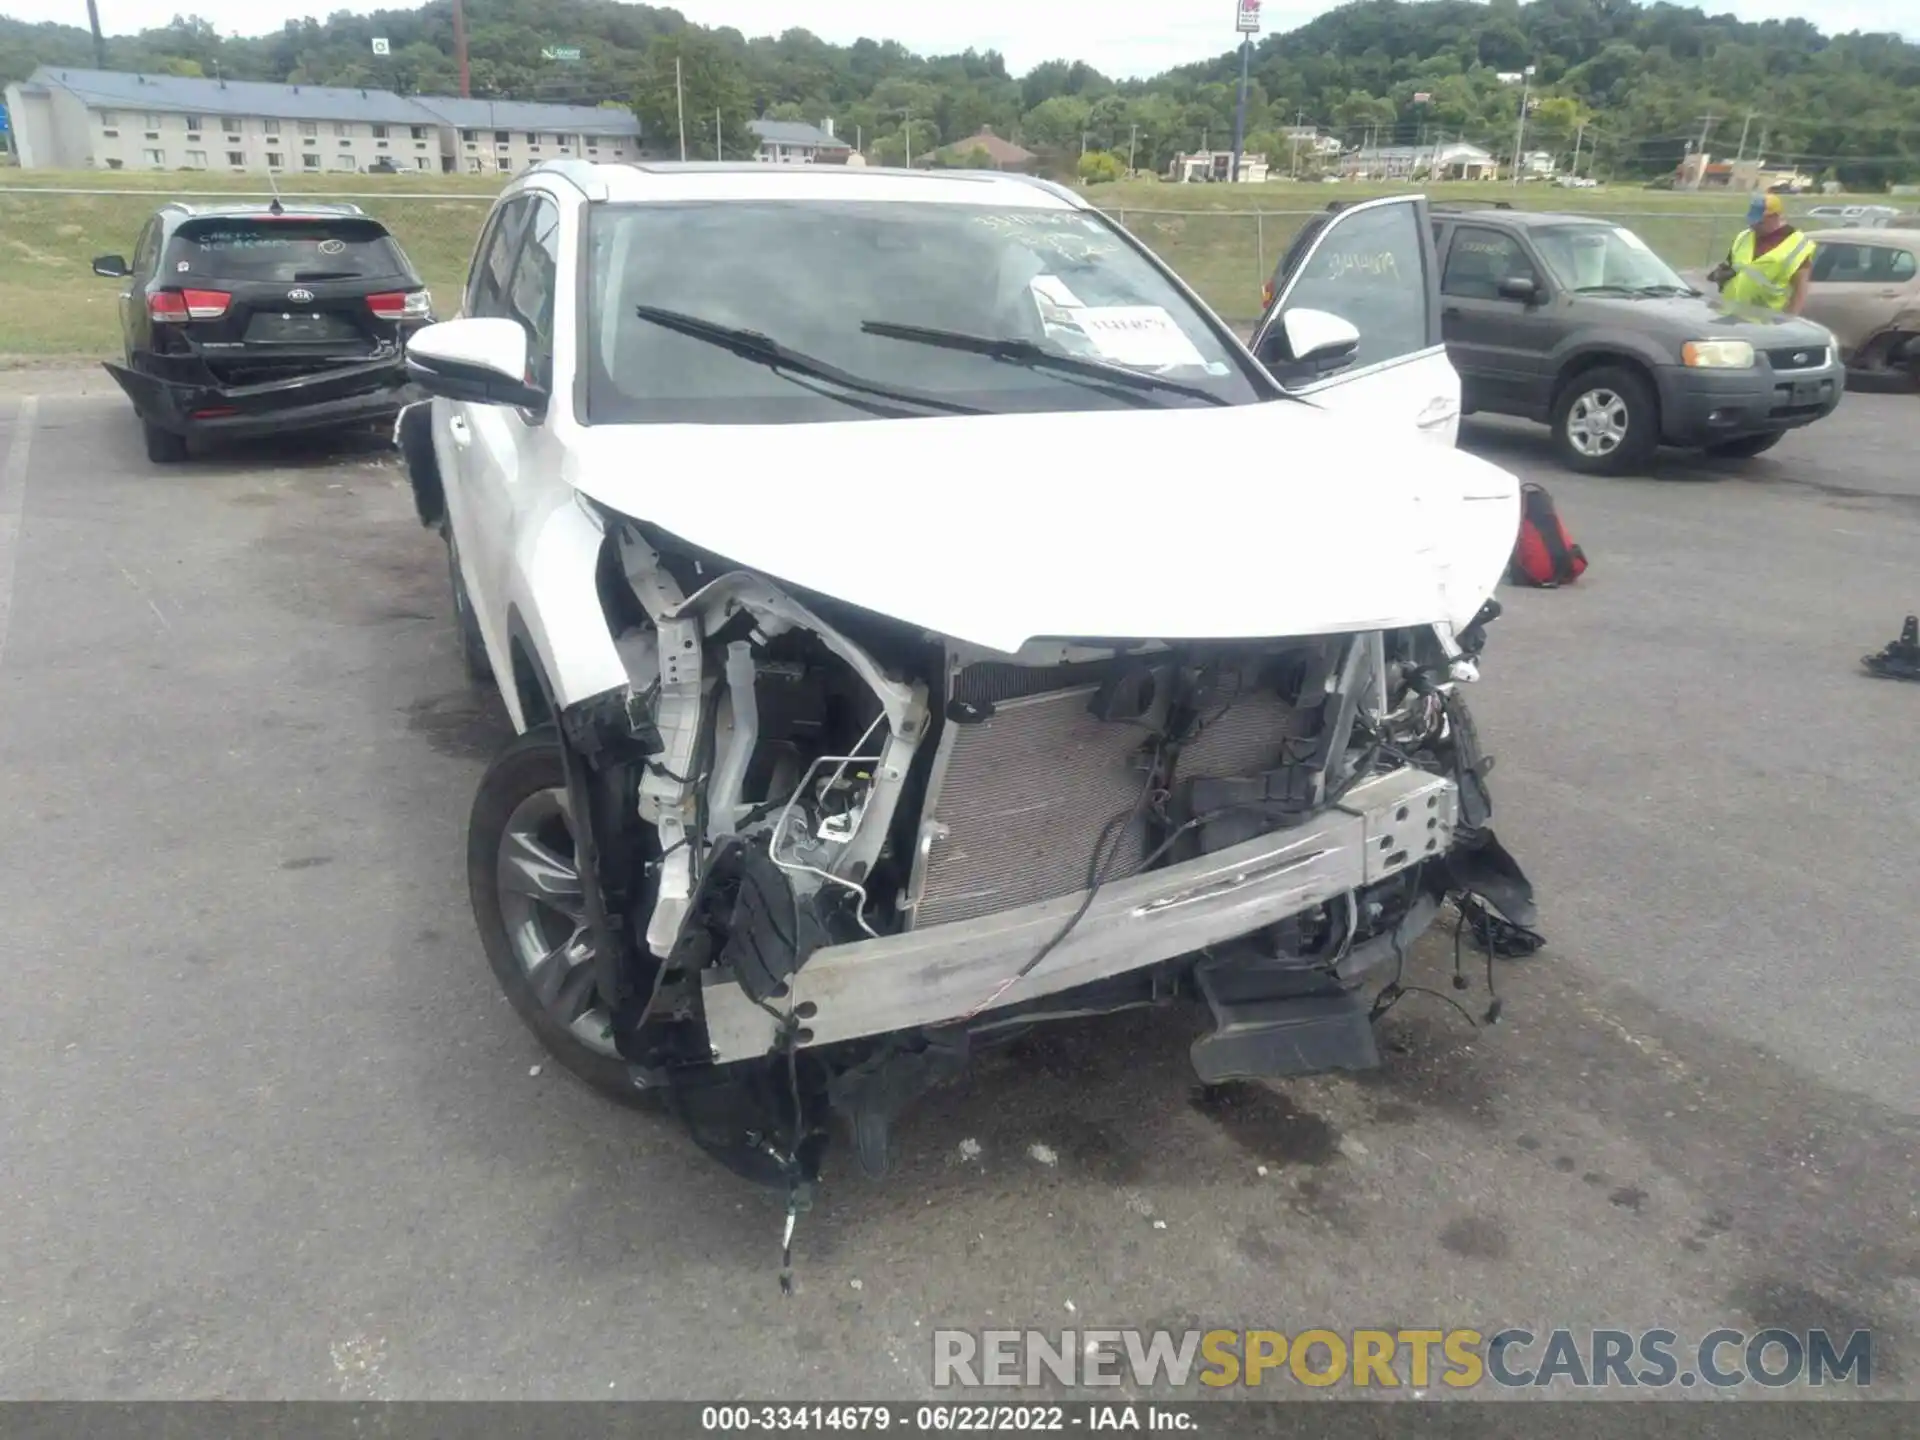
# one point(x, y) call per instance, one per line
point(263, 319)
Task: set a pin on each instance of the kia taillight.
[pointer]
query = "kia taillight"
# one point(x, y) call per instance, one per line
point(178, 306)
point(402, 304)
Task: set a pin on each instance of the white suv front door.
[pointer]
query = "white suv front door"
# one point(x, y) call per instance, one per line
point(1373, 265)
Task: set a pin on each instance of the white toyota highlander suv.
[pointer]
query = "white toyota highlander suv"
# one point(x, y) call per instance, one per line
point(923, 618)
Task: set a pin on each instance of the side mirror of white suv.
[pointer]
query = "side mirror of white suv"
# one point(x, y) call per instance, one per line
point(482, 359)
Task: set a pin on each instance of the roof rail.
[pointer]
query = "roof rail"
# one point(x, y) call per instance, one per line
point(1052, 187)
point(581, 174)
point(1470, 205)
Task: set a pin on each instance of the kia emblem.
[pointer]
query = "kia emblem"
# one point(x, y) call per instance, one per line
point(300, 297)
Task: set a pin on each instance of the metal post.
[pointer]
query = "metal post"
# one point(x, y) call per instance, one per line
point(1260, 241)
point(719, 152)
point(1299, 119)
point(1700, 170)
point(99, 40)
point(1520, 133)
point(909, 136)
point(459, 45)
point(1132, 145)
point(1240, 114)
point(680, 105)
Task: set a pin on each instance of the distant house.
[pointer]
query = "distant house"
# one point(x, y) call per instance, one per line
point(1455, 161)
point(1203, 166)
point(1747, 176)
point(1310, 140)
point(794, 142)
point(1002, 154)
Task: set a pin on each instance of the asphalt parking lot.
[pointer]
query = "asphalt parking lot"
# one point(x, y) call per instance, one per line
point(268, 1131)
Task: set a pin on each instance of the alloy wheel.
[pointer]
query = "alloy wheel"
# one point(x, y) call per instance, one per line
point(1597, 423)
point(543, 907)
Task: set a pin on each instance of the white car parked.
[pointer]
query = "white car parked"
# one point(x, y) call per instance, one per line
point(923, 618)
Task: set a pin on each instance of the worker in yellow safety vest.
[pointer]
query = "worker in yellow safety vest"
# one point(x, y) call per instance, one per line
point(1770, 262)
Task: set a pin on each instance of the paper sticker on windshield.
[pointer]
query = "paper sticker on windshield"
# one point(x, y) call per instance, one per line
point(1143, 335)
point(1632, 239)
point(332, 247)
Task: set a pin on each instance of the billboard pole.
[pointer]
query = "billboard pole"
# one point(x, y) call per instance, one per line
point(1247, 22)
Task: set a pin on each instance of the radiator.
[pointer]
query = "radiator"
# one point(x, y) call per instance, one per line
point(1018, 801)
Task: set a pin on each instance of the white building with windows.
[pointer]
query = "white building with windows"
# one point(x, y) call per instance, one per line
point(794, 142)
point(486, 136)
point(70, 119)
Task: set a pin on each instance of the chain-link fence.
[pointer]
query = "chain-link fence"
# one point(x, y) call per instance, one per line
point(50, 303)
point(1227, 255)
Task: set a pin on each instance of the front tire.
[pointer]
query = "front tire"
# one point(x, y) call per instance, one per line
point(1606, 421)
point(473, 649)
point(163, 446)
point(1747, 446)
point(528, 904)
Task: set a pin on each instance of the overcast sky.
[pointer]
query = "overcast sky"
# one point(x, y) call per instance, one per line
point(1170, 32)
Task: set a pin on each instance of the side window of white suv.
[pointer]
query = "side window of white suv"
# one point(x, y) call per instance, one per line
point(493, 261)
point(530, 294)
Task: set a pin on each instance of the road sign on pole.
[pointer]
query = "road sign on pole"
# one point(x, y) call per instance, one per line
point(380, 45)
point(566, 53)
point(1247, 20)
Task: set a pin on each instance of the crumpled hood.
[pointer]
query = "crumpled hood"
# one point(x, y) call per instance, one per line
point(1194, 523)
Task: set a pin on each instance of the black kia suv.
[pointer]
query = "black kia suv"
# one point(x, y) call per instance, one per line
point(252, 319)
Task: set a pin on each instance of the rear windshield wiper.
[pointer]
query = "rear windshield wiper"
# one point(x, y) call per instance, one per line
point(1014, 350)
point(764, 350)
point(326, 275)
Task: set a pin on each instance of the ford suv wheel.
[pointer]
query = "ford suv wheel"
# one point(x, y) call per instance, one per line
point(1606, 422)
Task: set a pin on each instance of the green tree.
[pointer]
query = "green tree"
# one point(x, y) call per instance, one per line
point(1098, 167)
point(712, 82)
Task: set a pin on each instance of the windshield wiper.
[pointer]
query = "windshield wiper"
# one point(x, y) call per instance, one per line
point(326, 275)
point(764, 350)
point(1665, 290)
point(1605, 290)
point(1014, 350)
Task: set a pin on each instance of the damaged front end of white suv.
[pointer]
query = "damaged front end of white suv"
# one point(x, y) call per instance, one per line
point(814, 852)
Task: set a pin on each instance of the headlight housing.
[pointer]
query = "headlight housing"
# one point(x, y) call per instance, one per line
point(1718, 354)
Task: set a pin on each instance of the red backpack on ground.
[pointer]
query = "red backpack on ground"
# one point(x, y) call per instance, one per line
point(1544, 556)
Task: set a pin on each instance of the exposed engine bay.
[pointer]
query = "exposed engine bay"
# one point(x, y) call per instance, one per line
point(828, 852)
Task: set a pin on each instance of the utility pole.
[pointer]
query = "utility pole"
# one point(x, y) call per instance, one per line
point(719, 152)
point(1133, 144)
point(908, 133)
point(1574, 169)
point(1700, 170)
point(99, 40)
point(1743, 137)
point(680, 107)
point(459, 44)
point(1520, 132)
point(1240, 111)
point(1299, 119)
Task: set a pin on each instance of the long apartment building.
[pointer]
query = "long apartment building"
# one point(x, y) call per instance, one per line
point(109, 120)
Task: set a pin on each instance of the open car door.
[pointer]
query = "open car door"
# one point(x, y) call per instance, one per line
point(1371, 267)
